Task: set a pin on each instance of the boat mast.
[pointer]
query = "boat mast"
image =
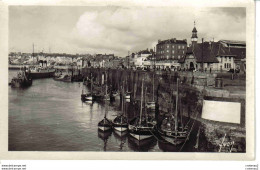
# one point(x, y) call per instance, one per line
point(145, 111)
point(91, 82)
point(176, 108)
point(141, 108)
point(153, 71)
point(106, 83)
point(122, 106)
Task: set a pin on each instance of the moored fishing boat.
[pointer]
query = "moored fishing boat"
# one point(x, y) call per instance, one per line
point(22, 80)
point(120, 123)
point(171, 129)
point(139, 127)
point(64, 78)
point(105, 124)
point(89, 96)
point(151, 104)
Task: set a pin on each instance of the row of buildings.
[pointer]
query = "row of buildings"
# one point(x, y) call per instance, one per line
point(56, 59)
point(169, 54)
point(173, 53)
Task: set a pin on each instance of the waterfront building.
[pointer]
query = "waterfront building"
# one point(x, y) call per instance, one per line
point(140, 57)
point(169, 52)
point(218, 56)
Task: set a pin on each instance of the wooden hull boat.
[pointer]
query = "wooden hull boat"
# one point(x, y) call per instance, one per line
point(105, 125)
point(120, 123)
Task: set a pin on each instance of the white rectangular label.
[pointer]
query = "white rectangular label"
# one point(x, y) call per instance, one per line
point(221, 111)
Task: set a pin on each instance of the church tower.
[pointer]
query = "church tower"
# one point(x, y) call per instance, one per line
point(194, 37)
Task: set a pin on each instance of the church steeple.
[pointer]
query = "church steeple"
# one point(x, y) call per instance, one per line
point(194, 37)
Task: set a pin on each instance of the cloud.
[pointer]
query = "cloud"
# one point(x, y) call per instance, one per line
point(111, 29)
point(132, 29)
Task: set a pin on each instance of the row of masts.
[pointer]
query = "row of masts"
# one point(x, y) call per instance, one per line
point(140, 127)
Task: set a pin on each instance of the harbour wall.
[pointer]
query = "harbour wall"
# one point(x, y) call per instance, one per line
point(194, 87)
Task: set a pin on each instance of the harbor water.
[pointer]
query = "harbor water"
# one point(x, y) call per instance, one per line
point(50, 116)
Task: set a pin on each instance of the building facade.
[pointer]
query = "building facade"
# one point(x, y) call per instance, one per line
point(223, 55)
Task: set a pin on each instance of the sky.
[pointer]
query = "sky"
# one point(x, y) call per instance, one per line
point(116, 29)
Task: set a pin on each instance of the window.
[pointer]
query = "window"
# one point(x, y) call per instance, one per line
point(182, 52)
point(173, 51)
point(229, 58)
point(167, 51)
point(172, 46)
point(167, 57)
point(179, 56)
point(179, 47)
point(183, 47)
point(168, 46)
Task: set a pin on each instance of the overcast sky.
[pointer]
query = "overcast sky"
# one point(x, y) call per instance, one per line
point(117, 29)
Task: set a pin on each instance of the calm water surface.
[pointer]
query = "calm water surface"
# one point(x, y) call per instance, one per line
point(49, 116)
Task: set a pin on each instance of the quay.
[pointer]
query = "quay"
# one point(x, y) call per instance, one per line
point(195, 88)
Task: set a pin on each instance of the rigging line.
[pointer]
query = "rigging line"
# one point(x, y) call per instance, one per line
point(190, 130)
point(158, 138)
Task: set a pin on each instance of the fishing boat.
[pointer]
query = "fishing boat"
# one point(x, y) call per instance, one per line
point(127, 94)
point(89, 96)
point(22, 79)
point(172, 129)
point(120, 123)
point(139, 127)
point(105, 124)
point(151, 104)
point(64, 78)
point(107, 95)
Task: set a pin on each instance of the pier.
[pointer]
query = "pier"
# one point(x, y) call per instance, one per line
point(194, 88)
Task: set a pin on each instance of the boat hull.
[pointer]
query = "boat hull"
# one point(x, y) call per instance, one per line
point(120, 128)
point(39, 75)
point(141, 134)
point(175, 139)
point(104, 128)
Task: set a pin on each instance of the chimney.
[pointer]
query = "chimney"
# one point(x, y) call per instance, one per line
point(159, 41)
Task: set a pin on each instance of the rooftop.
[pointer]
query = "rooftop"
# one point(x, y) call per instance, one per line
point(172, 41)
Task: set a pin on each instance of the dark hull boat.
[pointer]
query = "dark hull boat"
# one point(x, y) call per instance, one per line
point(120, 134)
point(105, 125)
point(120, 123)
point(64, 78)
point(172, 129)
point(86, 97)
point(139, 127)
point(89, 96)
point(141, 145)
point(174, 137)
point(21, 81)
point(42, 74)
point(141, 131)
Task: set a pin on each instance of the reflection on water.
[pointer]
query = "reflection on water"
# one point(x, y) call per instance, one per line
point(49, 116)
